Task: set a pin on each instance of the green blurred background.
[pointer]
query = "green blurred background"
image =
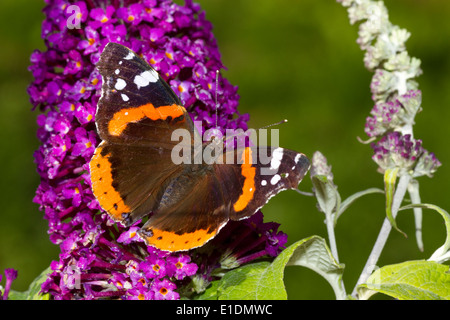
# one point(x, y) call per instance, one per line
point(295, 60)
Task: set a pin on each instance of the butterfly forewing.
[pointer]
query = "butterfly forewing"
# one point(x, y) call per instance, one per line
point(136, 116)
point(136, 105)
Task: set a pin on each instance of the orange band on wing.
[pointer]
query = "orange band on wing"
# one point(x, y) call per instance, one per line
point(170, 241)
point(125, 116)
point(248, 188)
point(102, 186)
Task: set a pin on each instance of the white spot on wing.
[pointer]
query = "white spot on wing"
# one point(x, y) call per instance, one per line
point(145, 78)
point(125, 98)
point(120, 84)
point(263, 182)
point(275, 179)
point(277, 155)
point(129, 56)
point(117, 71)
point(297, 157)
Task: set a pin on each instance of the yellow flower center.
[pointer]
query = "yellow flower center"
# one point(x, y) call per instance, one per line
point(163, 291)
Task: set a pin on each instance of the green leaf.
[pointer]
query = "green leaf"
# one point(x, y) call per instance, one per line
point(16, 295)
point(247, 283)
point(410, 280)
point(390, 177)
point(211, 292)
point(33, 290)
point(414, 194)
point(313, 253)
point(442, 254)
point(264, 280)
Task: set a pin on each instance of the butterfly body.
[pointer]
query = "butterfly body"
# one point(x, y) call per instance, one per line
point(134, 175)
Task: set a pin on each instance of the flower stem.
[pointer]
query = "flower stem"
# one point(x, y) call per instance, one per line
point(331, 236)
point(384, 232)
point(333, 247)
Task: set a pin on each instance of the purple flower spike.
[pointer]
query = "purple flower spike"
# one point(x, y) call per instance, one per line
point(10, 275)
point(181, 266)
point(99, 258)
point(397, 150)
point(164, 290)
point(132, 14)
point(393, 114)
point(91, 43)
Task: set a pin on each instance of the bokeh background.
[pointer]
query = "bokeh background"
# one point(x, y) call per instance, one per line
point(295, 60)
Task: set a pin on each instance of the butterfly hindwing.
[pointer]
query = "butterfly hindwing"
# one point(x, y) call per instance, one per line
point(211, 195)
point(191, 212)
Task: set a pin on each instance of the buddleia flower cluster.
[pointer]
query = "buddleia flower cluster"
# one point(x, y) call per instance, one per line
point(10, 276)
point(395, 93)
point(99, 258)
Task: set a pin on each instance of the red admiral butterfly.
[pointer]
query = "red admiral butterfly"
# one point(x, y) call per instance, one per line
point(133, 176)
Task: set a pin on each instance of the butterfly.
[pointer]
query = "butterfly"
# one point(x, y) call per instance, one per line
point(134, 176)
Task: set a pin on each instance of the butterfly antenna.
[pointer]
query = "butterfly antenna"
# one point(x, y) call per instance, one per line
point(217, 88)
point(274, 124)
